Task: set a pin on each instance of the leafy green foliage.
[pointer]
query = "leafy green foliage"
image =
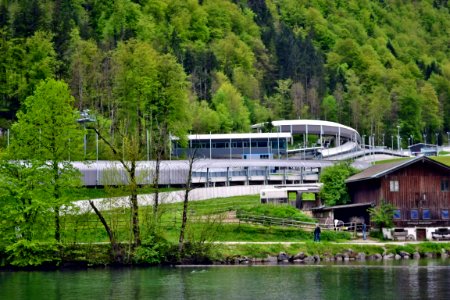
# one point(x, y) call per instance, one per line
point(278, 211)
point(26, 253)
point(153, 250)
point(364, 64)
point(24, 204)
point(334, 190)
point(382, 215)
point(42, 137)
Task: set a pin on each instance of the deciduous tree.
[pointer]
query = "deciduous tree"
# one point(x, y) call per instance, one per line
point(46, 133)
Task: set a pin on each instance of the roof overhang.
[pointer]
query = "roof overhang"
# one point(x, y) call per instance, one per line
point(337, 207)
point(378, 171)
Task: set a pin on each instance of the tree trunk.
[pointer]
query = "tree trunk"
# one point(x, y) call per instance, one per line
point(134, 205)
point(156, 185)
point(185, 204)
point(56, 194)
point(57, 225)
point(115, 248)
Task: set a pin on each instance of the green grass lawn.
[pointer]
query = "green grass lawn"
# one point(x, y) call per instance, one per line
point(387, 161)
point(443, 159)
point(206, 222)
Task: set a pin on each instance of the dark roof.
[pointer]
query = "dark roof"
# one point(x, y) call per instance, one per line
point(422, 145)
point(378, 171)
point(341, 206)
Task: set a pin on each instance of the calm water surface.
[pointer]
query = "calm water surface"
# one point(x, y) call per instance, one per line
point(393, 280)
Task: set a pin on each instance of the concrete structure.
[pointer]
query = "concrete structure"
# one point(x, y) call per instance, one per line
point(339, 132)
point(234, 145)
point(206, 172)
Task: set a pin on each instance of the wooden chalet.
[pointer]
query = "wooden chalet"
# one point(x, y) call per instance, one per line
point(418, 188)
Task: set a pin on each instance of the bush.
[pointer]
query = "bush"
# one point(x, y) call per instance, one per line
point(333, 236)
point(198, 253)
point(153, 250)
point(25, 253)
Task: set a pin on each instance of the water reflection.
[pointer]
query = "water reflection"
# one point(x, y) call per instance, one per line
point(392, 280)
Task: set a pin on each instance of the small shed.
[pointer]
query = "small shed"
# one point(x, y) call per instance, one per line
point(423, 149)
point(292, 194)
point(345, 213)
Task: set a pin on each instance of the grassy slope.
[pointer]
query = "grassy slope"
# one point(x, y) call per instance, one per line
point(205, 217)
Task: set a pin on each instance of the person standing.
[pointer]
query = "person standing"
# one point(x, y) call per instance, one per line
point(317, 233)
point(364, 230)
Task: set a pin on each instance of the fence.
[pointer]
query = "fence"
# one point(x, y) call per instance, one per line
point(272, 221)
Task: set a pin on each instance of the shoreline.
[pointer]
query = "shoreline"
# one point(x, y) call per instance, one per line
point(91, 256)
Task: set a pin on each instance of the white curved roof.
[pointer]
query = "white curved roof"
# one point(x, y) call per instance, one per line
point(238, 136)
point(313, 127)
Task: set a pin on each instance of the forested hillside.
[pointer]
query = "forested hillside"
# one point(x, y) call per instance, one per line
point(221, 65)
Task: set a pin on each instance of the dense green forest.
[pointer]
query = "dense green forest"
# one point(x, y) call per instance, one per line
point(221, 65)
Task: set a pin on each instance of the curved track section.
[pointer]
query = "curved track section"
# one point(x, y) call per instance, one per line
point(319, 127)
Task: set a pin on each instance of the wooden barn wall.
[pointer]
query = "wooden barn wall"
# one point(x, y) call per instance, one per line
point(365, 191)
point(415, 181)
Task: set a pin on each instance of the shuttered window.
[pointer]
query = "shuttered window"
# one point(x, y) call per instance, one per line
point(445, 185)
point(393, 186)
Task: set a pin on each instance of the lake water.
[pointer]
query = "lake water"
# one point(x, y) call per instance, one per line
point(424, 279)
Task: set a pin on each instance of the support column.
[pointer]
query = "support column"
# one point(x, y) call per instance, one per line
point(247, 175)
point(266, 175)
point(339, 136)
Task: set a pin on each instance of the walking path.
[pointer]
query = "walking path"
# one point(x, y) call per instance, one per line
point(352, 242)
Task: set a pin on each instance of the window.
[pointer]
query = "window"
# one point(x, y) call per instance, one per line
point(444, 214)
point(426, 214)
point(397, 214)
point(414, 214)
point(444, 185)
point(393, 184)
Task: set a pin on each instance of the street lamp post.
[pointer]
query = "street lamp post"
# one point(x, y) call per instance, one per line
point(392, 142)
point(425, 138)
point(398, 137)
point(364, 141)
point(437, 139)
point(373, 144)
point(85, 118)
point(409, 142)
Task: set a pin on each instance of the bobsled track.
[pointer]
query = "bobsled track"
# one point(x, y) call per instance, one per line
point(208, 173)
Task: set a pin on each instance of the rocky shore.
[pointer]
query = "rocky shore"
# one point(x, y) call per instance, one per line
point(348, 255)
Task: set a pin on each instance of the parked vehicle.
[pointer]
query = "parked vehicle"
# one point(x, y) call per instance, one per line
point(441, 234)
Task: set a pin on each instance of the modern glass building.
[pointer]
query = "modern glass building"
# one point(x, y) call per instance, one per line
point(234, 146)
